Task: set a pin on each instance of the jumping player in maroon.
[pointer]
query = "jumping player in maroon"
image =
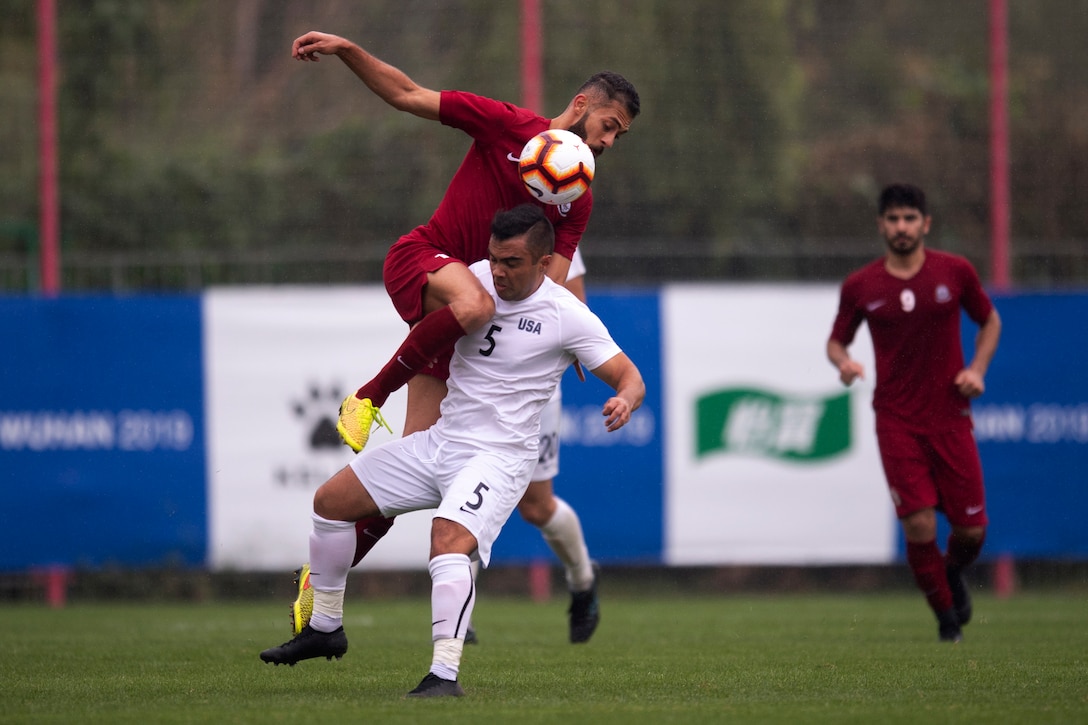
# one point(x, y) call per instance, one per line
point(426, 271)
point(911, 300)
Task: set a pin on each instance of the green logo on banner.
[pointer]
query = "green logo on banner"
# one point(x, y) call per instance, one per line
point(755, 422)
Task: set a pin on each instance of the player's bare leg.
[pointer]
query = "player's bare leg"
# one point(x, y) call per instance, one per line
point(425, 396)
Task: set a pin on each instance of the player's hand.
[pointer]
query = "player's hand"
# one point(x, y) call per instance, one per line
point(969, 383)
point(850, 371)
point(308, 46)
point(617, 412)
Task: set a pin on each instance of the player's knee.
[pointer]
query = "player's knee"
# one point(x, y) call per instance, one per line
point(325, 503)
point(450, 537)
point(920, 526)
point(970, 534)
point(474, 309)
point(536, 512)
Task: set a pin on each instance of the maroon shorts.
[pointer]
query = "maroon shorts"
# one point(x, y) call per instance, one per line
point(934, 470)
point(407, 265)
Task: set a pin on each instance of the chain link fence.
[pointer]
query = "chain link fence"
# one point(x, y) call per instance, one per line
point(611, 262)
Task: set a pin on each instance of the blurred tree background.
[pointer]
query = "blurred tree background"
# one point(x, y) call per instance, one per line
point(194, 150)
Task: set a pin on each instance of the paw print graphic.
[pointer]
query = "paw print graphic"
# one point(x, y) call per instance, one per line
point(318, 412)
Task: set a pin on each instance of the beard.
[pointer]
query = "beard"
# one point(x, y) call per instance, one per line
point(903, 245)
point(578, 128)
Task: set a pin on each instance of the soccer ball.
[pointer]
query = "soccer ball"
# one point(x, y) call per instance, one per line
point(556, 166)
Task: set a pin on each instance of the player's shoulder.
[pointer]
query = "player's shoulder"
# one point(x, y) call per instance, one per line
point(481, 268)
point(947, 259)
point(865, 274)
point(553, 295)
point(942, 264)
point(454, 105)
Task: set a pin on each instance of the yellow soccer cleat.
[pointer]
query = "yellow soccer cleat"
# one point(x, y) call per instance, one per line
point(356, 419)
point(303, 606)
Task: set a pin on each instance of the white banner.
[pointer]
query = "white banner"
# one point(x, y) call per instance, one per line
point(278, 362)
point(769, 459)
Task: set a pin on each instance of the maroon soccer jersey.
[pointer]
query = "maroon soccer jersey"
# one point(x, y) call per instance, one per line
point(488, 180)
point(915, 326)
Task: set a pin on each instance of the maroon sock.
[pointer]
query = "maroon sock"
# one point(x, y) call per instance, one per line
point(963, 551)
point(927, 564)
point(435, 334)
point(367, 533)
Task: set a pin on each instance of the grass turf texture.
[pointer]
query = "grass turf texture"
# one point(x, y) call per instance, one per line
point(810, 659)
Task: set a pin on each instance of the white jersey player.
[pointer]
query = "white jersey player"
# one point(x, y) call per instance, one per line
point(557, 520)
point(474, 464)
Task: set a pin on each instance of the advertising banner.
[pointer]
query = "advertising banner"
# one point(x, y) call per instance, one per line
point(770, 460)
point(101, 432)
point(1032, 427)
point(279, 362)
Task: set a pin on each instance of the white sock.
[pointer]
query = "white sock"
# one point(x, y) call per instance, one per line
point(563, 532)
point(453, 595)
point(447, 658)
point(332, 547)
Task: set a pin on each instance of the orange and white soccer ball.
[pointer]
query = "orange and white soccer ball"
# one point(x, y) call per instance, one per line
point(556, 166)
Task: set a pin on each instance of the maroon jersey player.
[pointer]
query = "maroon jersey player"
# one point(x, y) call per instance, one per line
point(426, 271)
point(911, 300)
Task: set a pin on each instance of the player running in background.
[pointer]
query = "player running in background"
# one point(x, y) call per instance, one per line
point(911, 300)
point(474, 464)
point(426, 271)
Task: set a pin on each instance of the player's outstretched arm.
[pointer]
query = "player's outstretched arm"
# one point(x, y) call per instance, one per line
point(390, 84)
point(623, 377)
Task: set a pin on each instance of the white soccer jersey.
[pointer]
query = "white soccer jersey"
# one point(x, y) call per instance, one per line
point(502, 375)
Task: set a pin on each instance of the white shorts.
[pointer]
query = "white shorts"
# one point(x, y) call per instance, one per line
point(551, 420)
point(476, 488)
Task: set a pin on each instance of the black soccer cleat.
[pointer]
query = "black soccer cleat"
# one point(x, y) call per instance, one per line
point(948, 626)
point(961, 595)
point(308, 644)
point(470, 635)
point(585, 611)
point(434, 686)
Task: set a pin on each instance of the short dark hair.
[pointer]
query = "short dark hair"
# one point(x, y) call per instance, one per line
point(902, 195)
point(613, 86)
point(527, 219)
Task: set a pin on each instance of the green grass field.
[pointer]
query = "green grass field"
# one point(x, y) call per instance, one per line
point(757, 659)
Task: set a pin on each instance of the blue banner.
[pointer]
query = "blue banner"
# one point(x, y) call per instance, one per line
point(101, 432)
point(1032, 427)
